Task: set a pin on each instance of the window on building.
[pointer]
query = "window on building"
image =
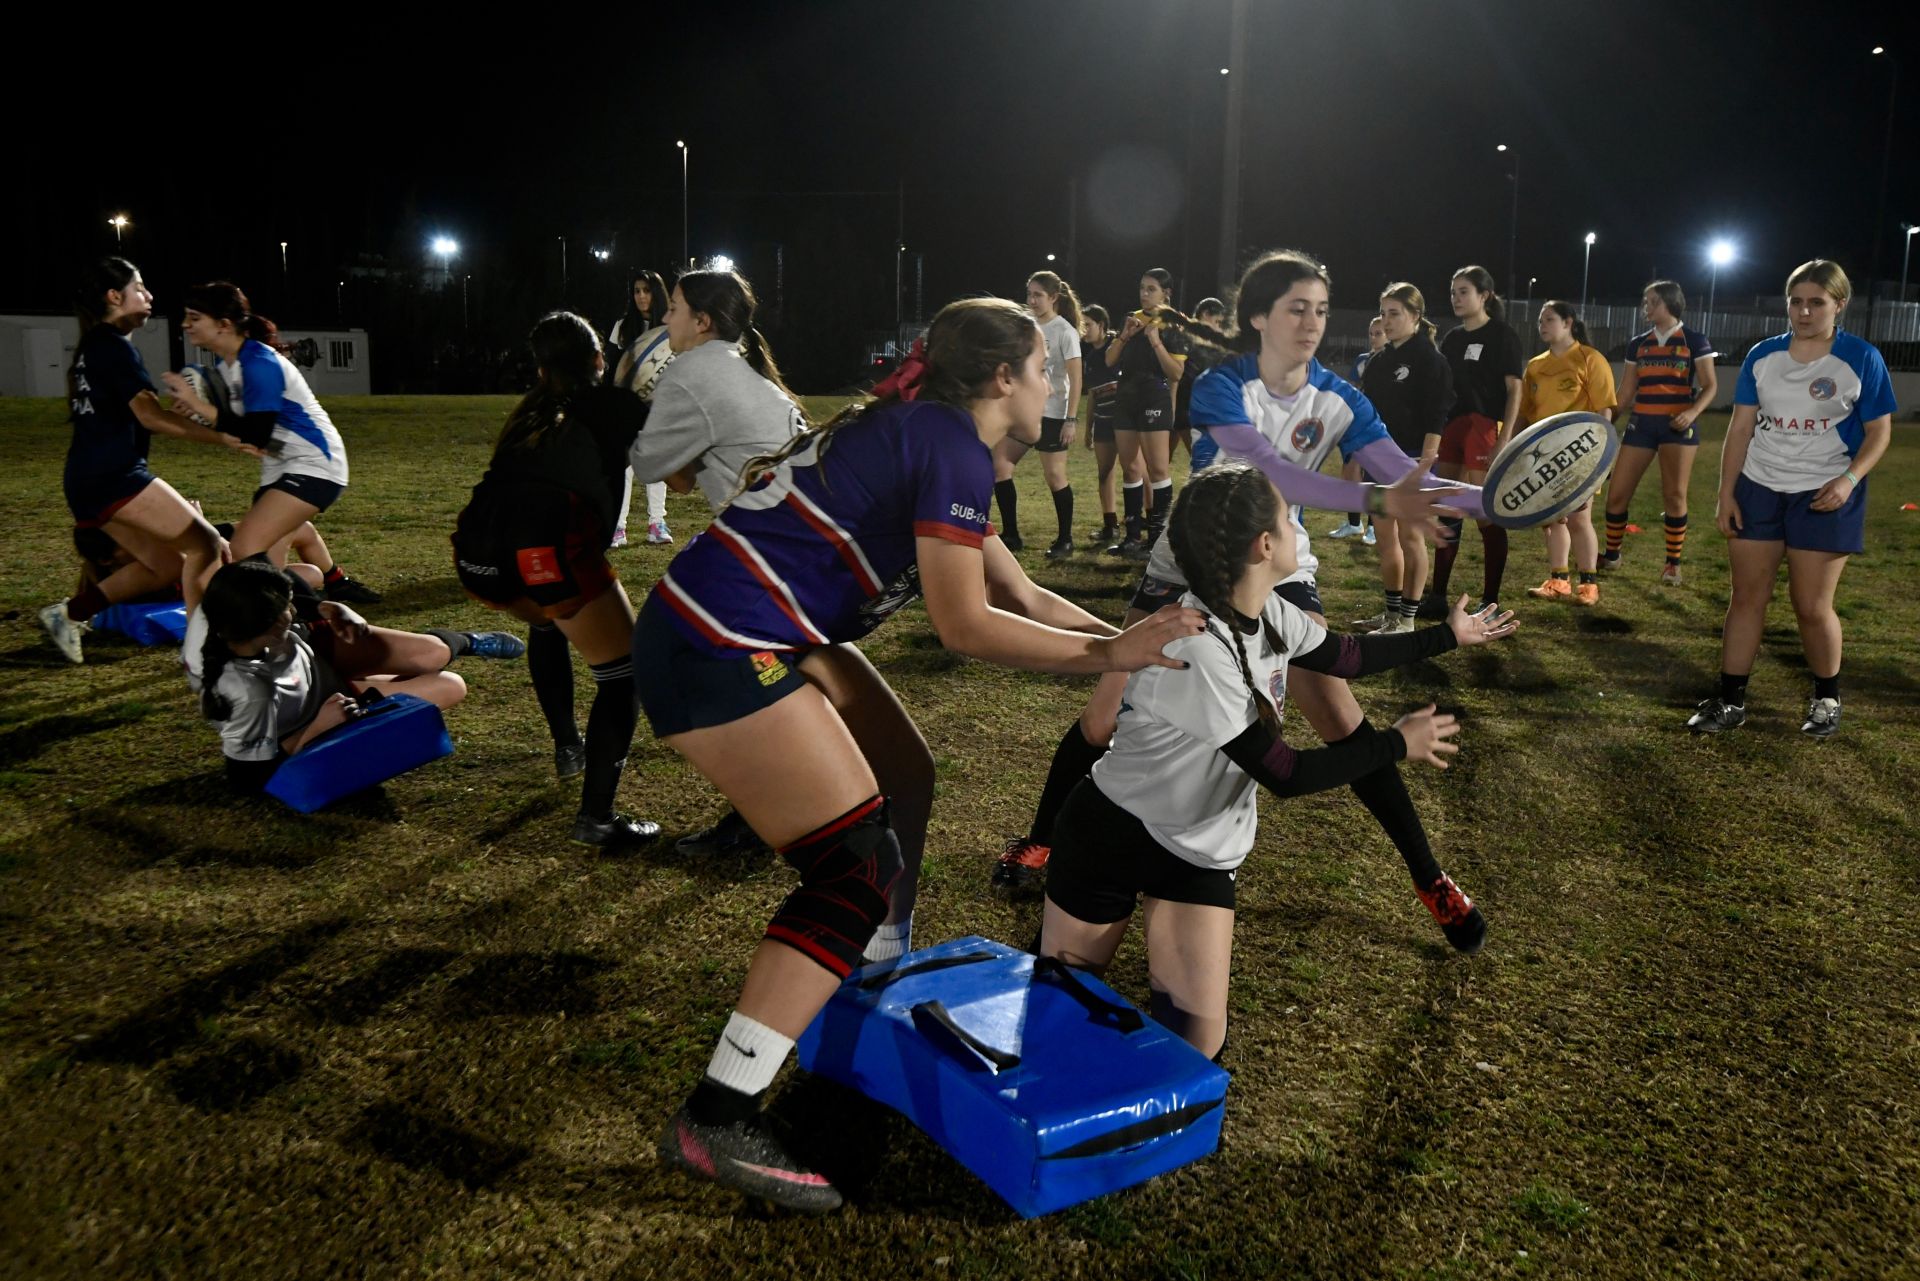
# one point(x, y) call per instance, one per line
point(340, 353)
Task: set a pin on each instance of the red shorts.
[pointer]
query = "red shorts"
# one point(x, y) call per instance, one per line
point(1468, 440)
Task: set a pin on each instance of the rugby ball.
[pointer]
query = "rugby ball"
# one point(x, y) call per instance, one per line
point(208, 386)
point(1549, 468)
point(640, 365)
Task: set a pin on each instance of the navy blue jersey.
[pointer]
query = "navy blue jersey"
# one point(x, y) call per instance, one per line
point(108, 441)
point(1139, 362)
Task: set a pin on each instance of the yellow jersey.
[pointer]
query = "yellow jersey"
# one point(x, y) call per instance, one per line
point(1581, 379)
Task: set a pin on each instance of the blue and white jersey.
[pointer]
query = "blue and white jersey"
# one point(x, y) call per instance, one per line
point(1303, 428)
point(305, 442)
point(1811, 417)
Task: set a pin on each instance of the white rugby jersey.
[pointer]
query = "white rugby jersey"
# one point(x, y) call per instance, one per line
point(305, 442)
point(1812, 417)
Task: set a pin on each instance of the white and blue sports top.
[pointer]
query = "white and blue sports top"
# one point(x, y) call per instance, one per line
point(1811, 417)
point(305, 441)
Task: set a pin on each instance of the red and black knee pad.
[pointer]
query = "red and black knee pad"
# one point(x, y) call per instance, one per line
point(847, 873)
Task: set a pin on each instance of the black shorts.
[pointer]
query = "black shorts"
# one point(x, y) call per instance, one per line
point(1104, 861)
point(94, 499)
point(534, 543)
point(1103, 429)
point(1153, 594)
point(1143, 404)
point(682, 687)
point(1050, 429)
point(312, 490)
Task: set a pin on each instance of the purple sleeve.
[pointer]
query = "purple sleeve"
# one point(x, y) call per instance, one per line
point(1385, 459)
point(952, 479)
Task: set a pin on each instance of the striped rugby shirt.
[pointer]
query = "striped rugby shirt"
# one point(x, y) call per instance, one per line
point(1666, 369)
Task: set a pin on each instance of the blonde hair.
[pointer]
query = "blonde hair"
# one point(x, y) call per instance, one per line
point(1825, 273)
point(1408, 295)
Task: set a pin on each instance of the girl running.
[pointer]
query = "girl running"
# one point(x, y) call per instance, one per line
point(721, 401)
point(275, 678)
point(304, 468)
point(533, 542)
point(1052, 302)
point(1095, 335)
point(1485, 356)
point(1169, 813)
point(1147, 355)
point(633, 336)
point(114, 412)
point(1670, 382)
point(1411, 384)
point(1283, 411)
point(746, 668)
point(1567, 376)
point(1812, 415)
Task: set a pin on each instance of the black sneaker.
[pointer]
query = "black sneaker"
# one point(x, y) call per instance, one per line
point(1062, 549)
point(1823, 718)
point(1125, 546)
point(1022, 865)
point(1014, 542)
point(746, 1157)
point(570, 761)
point(1434, 607)
point(1459, 919)
point(1106, 536)
point(495, 645)
point(1716, 715)
point(730, 837)
point(1140, 551)
point(614, 832)
point(353, 591)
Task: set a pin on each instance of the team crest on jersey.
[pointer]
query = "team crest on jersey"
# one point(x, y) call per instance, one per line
point(1822, 389)
point(1307, 434)
point(1277, 688)
point(769, 667)
point(1401, 374)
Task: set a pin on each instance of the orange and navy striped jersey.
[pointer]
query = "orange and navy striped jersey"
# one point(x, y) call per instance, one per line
point(1581, 379)
point(1666, 369)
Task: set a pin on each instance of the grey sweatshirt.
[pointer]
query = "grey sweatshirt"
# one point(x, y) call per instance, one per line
point(711, 408)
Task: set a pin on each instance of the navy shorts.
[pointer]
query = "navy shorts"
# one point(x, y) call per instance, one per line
point(1050, 429)
point(1143, 404)
point(1650, 431)
point(94, 499)
point(1104, 860)
point(1153, 594)
point(311, 490)
point(1103, 429)
point(1767, 515)
point(682, 687)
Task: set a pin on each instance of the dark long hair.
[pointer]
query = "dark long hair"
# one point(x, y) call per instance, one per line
point(90, 304)
point(1220, 512)
point(1265, 283)
point(1567, 312)
point(966, 344)
point(1482, 279)
point(242, 600)
point(222, 300)
point(725, 298)
point(564, 347)
point(636, 322)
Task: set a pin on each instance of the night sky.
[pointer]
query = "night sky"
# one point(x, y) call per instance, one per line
point(1370, 134)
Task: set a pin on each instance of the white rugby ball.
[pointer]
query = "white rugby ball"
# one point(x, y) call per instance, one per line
point(1549, 468)
point(208, 386)
point(640, 365)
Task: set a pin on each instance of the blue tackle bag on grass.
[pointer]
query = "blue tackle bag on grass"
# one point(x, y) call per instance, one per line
point(162, 624)
point(1040, 1079)
point(398, 733)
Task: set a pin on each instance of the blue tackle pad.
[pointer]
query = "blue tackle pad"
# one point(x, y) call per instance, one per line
point(398, 733)
point(161, 624)
point(1040, 1079)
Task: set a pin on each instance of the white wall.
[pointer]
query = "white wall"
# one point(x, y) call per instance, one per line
point(36, 350)
point(340, 367)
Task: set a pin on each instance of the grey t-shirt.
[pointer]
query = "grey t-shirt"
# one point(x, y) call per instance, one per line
point(272, 695)
point(711, 407)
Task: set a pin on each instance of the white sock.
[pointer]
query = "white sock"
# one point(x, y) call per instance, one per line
point(890, 942)
point(749, 1055)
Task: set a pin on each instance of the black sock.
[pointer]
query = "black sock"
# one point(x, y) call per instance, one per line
point(1444, 554)
point(1134, 495)
point(1394, 602)
point(1493, 541)
point(550, 663)
point(1072, 761)
point(1162, 504)
point(1827, 686)
point(457, 643)
point(1733, 689)
point(716, 1104)
point(609, 734)
point(1009, 500)
point(1586, 576)
point(1384, 794)
point(1063, 511)
point(86, 602)
point(1353, 518)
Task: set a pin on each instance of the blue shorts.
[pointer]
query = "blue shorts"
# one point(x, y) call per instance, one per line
point(94, 499)
point(311, 490)
point(1650, 431)
point(681, 687)
point(1767, 515)
point(1153, 594)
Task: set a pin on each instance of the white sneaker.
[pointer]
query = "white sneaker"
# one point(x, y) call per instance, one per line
point(63, 631)
point(1370, 539)
point(619, 537)
point(657, 532)
point(1401, 623)
point(1345, 529)
point(1378, 623)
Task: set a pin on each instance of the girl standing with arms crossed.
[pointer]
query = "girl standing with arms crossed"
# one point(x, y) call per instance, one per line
point(1568, 375)
point(1148, 356)
point(1095, 335)
point(1411, 384)
point(632, 338)
point(1812, 415)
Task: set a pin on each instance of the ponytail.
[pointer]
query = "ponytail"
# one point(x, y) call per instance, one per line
point(108, 275)
point(242, 601)
point(1223, 509)
point(726, 299)
point(1566, 312)
point(214, 654)
point(222, 300)
point(753, 345)
point(1065, 301)
point(1408, 295)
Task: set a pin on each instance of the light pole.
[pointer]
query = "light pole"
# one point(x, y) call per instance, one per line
point(686, 253)
point(446, 247)
point(1513, 224)
point(465, 280)
point(283, 270)
point(1586, 271)
point(1906, 255)
point(1719, 254)
point(563, 267)
point(119, 223)
point(1886, 158)
point(1531, 282)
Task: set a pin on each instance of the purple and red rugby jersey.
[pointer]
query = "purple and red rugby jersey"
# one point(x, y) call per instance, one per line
point(821, 550)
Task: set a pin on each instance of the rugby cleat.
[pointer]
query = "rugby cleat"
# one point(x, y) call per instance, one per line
point(1670, 575)
point(352, 590)
point(1062, 549)
point(1345, 529)
point(1587, 594)
point(1823, 718)
point(570, 761)
point(1022, 864)
point(615, 831)
point(1552, 589)
point(495, 645)
point(63, 631)
point(746, 1157)
point(1716, 715)
point(1459, 919)
point(730, 837)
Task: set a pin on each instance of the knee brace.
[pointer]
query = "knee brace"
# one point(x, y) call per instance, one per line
point(847, 873)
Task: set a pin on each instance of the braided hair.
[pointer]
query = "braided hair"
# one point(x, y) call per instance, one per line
point(242, 601)
point(1221, 511)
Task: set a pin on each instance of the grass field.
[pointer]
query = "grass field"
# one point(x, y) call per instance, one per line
point(423, 1035)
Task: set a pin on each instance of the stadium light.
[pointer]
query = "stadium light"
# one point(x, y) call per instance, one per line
point(445, 246)
point(601, 254)
point(119, 223)
point(1586, 271)
point(1906, 255)
point(1719, 254)
point(1049, 257)
point(1225, 71)
point(720, 262)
